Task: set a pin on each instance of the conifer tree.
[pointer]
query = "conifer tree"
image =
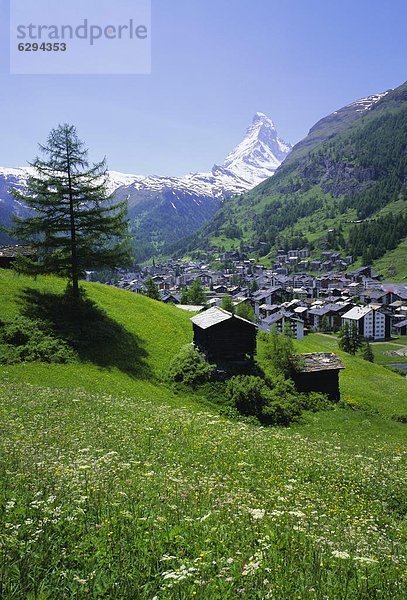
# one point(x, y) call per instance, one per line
point(184, 296)
point(367, 351)
point(324, 324)
point(74, 223)
point(152, 290)
point(254, 286)
point(245, 311)
point(196, 294)
point(349, 338)
point(227, 304)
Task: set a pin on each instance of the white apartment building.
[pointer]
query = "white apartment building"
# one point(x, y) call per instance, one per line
point(372, 323)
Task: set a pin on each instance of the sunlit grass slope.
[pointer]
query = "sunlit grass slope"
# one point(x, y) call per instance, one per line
point(151, 334)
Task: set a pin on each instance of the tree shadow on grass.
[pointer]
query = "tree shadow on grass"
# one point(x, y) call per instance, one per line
point(88, 330)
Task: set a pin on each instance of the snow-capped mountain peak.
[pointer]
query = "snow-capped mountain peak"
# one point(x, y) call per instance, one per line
point(155, 201)
point(260, 152)
point(261, 118)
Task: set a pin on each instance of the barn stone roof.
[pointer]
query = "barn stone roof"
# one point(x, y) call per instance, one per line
point(13, 251)
point(214, 316)
point(318, 361)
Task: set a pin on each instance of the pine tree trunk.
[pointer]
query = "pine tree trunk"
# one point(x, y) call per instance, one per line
point(74, 253)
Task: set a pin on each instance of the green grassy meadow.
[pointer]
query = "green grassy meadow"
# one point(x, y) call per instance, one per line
point(113, 485)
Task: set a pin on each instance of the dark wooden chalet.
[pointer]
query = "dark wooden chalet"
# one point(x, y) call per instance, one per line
point(318, 372)
point(222, 336)
point(8, 254)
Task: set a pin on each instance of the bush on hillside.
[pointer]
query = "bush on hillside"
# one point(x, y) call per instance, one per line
point(27, 340)
point(279, 350)
point(190, 367)
point(273, 403)
point(227, 304)
point(284, 405)
point(315, 401)
point(248, 393)
point(245, 311)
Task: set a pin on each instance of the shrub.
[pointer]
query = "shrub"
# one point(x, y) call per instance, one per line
point(281, 411)
point(19, 331)
point(279, 351)
point(284, 403)
point(275, 403)
point(190, 367)
point(27, 340)
point(315, 401)
point(248, 393)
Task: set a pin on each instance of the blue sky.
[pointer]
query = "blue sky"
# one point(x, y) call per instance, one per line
point(214, 64)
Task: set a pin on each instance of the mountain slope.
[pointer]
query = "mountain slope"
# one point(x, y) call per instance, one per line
point(9, 206)
point(351, 167)
point(163, 208)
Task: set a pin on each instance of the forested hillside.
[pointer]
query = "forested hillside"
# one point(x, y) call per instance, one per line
point(340, 187)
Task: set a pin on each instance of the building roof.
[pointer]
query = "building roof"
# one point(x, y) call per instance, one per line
point(401, 324)
point(396, 304)
point(274, 318)
point(269, 306)
point(264, 293)
point(214, 316)
point(357, 312)
point(318, 361)
point(300, 309)
point(13, 251)
point(190, 307)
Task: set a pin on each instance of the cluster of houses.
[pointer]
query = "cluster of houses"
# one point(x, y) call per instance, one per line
point(302, 301)
point(299, 260)
point(299, 300)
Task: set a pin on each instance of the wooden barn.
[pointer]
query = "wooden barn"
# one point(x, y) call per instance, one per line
point(318, 372)
point(222, 336)
point(8, 254)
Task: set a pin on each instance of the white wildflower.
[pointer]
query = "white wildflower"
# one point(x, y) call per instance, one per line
point(250, 568)
point(296, 513)
point(365, 559)
point(257, 513)
point(205, 517)
point(340, 554)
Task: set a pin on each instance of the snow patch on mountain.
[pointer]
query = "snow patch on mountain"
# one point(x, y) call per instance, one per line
point(365, 103)
point(368, 102)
